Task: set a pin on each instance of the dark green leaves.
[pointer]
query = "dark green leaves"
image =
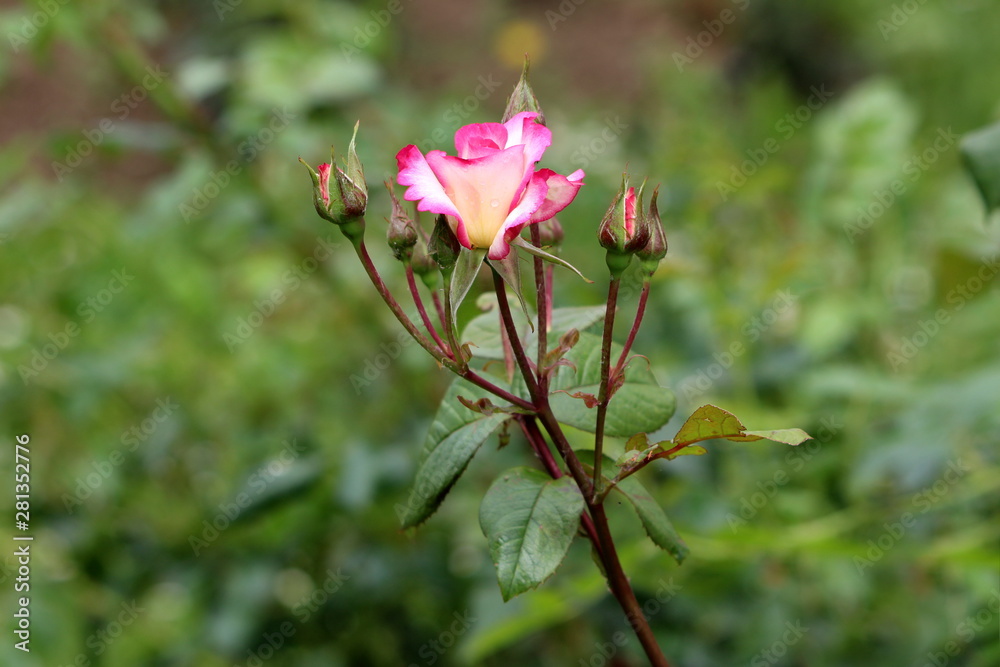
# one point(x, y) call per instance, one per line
point(641, 405)
point(529, 521)
point(454, 437)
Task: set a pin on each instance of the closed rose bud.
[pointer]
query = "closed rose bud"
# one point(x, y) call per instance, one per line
point(443, 247)
point(351, 180)
point(618, 228)
point(550, 233)
point(330, 208)
point(345, 204)
point(401, 234)
point(656, 248)
point(523, 98)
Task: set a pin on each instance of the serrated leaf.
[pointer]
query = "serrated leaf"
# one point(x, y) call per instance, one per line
point(654, 519)
point(981, 154)
point(529, 520)
point(453, 439)
point(640, 405)
point(484, 330)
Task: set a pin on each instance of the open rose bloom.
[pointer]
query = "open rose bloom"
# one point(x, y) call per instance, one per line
point(491, 189)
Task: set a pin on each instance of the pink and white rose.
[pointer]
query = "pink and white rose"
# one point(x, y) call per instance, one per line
point(491, 190)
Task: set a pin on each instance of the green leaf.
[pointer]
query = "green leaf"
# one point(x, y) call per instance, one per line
point(466, 270)
point(529, 520)
point(484, 330)
point(454, 437)
point(981, 154)
point(709, 421)
point(654, 519)
point(641, 405)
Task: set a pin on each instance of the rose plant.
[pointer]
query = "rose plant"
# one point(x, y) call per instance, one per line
point(535, 368)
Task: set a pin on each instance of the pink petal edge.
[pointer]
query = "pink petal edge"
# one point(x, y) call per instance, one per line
point(422, 183)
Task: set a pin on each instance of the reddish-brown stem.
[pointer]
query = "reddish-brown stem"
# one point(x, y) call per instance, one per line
point(439, 308)
point(542, 308)
point(603, 396)
point(605, 545)
point(622, 590)
point(423, 312)
point(515, 341)
point(541, 448)
point(366, 261)
point(480, 381)
point(640, 311)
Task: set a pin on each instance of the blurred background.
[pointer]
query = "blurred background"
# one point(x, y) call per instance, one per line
point(221, 426)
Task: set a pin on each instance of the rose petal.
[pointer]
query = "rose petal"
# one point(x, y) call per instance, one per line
point(479, 140)
point(522, 129)
point(483, 190)
point(561, 191)
point(630, 213)
point(423, 184)
point(533, 197)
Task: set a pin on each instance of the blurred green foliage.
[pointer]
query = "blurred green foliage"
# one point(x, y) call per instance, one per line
point(179, 331)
